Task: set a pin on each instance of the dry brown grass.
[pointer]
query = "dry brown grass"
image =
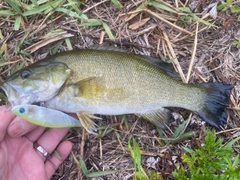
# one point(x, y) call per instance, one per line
point(204, 53)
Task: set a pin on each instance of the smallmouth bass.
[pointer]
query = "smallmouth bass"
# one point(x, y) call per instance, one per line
point(106, 82)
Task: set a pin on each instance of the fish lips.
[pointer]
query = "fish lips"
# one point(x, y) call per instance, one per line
point(6, 88)
point(17, 96)
point(14, 96)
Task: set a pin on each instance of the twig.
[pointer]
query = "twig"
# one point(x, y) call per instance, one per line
point(193, 54)
point(101, 37)
point(100, 148)
point(82, 142)
point(176, 2)
point(228, 130)
point(169, 23)
point(45, 42)
point(176, 63)
point(44, 25)
point(86, 10)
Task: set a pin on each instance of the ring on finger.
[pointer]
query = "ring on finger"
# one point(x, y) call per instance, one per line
point(41, 150)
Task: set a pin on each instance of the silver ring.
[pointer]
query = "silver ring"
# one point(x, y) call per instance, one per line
point(41, 150)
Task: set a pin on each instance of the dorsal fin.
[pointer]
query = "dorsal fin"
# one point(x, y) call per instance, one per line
point(107, 47)
point(166, 67)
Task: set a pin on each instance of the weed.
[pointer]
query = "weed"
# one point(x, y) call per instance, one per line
point(136, 156)
point(139, 173)
point(229, 4)
point(177, 136)
point(214, 160)
point(236, 43)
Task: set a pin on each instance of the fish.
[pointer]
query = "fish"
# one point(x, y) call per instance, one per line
point(46, 117)
point(111, 82)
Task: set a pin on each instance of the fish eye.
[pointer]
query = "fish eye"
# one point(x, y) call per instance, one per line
point(21, 110)
point(26, 73)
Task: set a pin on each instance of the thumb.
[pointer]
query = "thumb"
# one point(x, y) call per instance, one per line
point(19, 127)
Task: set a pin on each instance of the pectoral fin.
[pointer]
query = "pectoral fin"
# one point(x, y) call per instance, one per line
point(89, 88)
point(86, 121)
point(159, 118)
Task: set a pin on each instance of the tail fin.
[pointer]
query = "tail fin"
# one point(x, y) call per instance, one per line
point(217, 100)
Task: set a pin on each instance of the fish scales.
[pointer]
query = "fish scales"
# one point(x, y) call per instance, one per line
point(130, 83)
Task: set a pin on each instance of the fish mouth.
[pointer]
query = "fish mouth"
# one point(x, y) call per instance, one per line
point(10, 92)
point(2, 91)
point(16, 96)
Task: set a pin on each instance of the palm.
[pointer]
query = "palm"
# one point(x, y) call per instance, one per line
point(22, 159)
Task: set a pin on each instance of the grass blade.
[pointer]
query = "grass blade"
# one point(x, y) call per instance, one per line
point(92, 22)
point(117, 4)
point(83, 166)
point(74, 5)
point(141, 7)
point(100, 173)
point(69, 45)
point(38, 10)
point(69, 12)
point(17, 23)
point(161, 6)
point(180, 129)
point(108, 31)
point(6, 13)
point(34, 2)
point(15, 6)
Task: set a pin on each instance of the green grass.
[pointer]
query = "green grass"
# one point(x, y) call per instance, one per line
point(19, 9)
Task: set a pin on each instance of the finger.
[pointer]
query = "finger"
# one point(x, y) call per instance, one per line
point(51, 138)
point(5, 119)
point(52, 164)
point(19, 127)
point(35, 134)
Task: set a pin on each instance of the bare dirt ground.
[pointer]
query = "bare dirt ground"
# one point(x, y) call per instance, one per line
point(217, 59)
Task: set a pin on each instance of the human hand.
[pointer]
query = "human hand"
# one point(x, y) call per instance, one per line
point(18, 157)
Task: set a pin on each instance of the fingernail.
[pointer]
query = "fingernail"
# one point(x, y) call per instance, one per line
point(17, 129)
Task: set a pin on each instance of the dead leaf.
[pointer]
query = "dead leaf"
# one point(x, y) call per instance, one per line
point(139, 24)
point(47, 41)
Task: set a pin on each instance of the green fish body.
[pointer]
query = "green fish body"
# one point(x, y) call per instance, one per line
point(114, 83)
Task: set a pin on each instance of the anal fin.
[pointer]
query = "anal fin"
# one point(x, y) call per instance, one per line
point(87, 123)
point(159, 117)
